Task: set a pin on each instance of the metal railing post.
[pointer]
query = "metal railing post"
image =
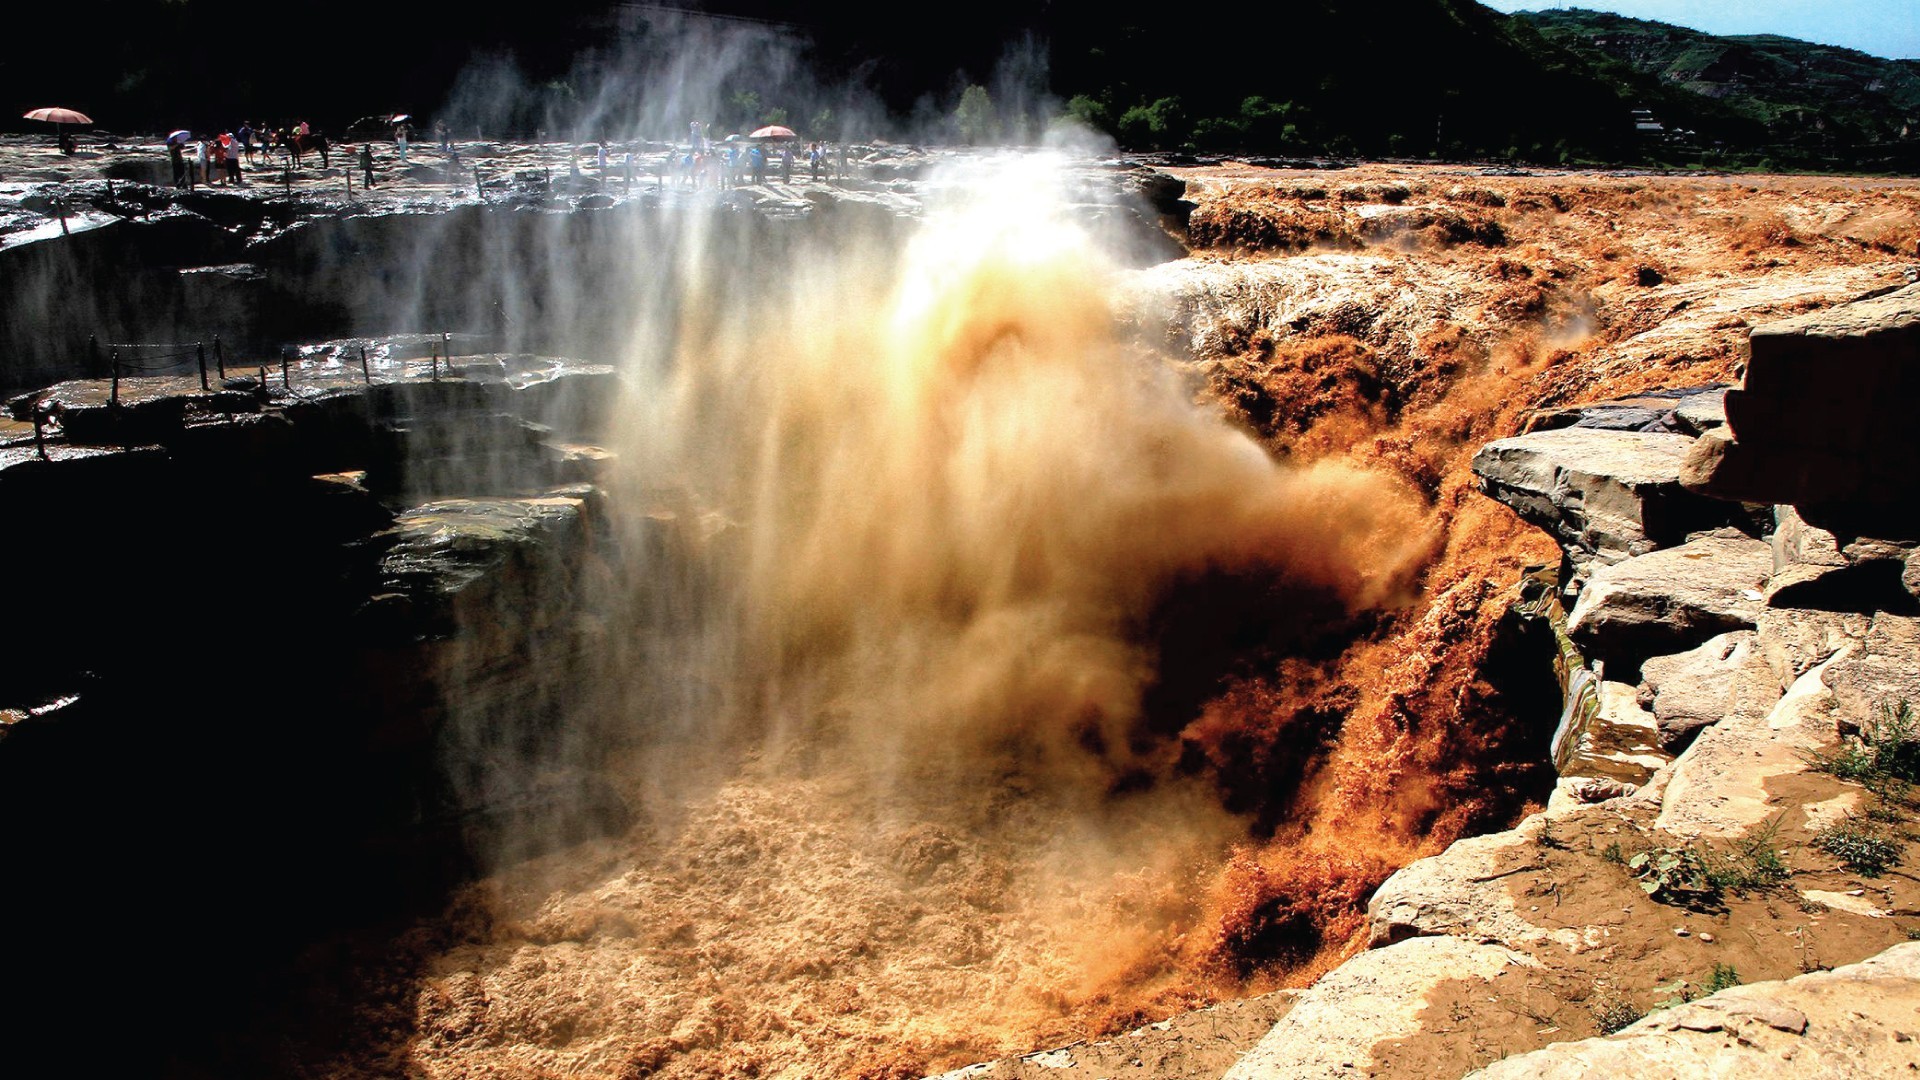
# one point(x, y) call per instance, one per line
point(365, 375)
point(219, 359)
point(114, 399)
point(200, 349)
point(286, 376)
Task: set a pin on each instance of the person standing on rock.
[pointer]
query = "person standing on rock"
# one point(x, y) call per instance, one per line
point(179, 161)
point(230, 158)
point(366, 162)
point(400, 140)
point(200, 151)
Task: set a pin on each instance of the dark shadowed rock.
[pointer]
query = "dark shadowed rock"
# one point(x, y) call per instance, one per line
point(1815, 569)
point(1823, 420)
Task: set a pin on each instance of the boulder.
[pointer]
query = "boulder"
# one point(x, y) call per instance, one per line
point(1718, 787)
point(1689, 690)
point(1796, 543)
point(1582, 790)
point(1701, 412)
point(1881, 674)
point(1857, 1020)
point(1793, 641)
point(1605, 495)
point(1462, 893)
point(474, 563)
point(1675, 598)
point(1372, 999)
point(1687, 411)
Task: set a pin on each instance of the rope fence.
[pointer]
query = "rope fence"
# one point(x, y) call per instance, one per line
point(177, 358)
point(135, 358)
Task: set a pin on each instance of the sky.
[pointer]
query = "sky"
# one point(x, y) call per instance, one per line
point(1889, 28)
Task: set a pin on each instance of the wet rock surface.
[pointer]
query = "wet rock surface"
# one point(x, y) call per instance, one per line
point(303, 253)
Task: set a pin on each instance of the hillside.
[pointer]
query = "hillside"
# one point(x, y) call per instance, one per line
point(1409, 79)
point(1795, 101)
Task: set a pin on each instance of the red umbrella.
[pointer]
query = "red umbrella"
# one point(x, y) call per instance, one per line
point(774, 131)
point(59, 116)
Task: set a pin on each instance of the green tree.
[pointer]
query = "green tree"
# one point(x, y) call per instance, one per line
point(975, 117)
point(1265, 122)
point(1092, 112)
point(1158, 126)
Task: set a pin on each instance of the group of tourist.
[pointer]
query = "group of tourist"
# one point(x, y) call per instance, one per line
point(217, 159)
point(731, 164)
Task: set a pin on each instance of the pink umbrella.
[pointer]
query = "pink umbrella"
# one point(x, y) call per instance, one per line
point(774, 131)
point(59, 116)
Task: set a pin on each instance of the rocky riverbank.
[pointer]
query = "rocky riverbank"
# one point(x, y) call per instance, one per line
point(1720, 883)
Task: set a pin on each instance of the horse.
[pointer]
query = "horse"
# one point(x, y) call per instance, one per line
point(310, 142)
point(298, 146)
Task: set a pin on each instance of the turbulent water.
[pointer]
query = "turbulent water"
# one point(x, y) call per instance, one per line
point(906, 796)
point(979, 689)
